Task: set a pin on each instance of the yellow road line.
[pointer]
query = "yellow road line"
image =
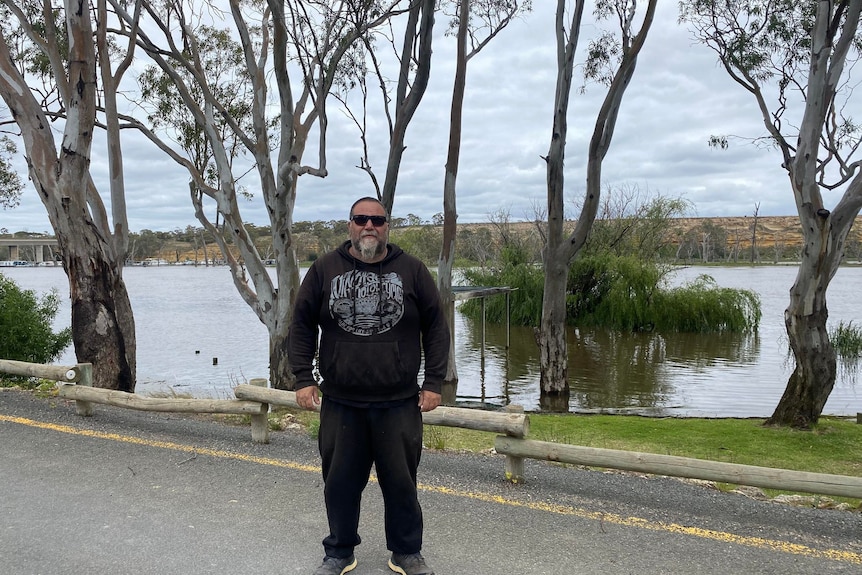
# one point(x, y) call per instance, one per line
point(612, 518)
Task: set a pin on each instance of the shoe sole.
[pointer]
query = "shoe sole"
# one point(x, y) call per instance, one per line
point(396, 568)
point(350, 567)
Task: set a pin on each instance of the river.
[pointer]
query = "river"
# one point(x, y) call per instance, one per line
point(196, 337)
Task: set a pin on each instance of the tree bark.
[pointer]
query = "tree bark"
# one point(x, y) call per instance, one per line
point(450, 216)
point(812, 380)
point(406, 102)
point(553, 349)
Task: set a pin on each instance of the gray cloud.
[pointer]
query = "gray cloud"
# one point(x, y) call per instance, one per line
point(678, 98)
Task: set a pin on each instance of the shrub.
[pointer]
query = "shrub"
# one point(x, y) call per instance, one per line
point(26, 325)
point(618, 292)
point(516, 272)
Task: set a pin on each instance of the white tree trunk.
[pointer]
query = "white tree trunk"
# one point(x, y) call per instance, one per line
point(102, 321)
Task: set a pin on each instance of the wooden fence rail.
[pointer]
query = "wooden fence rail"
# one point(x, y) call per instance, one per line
point(510, 424)
point(67, 374)
point(767, 477)
point(80, 374)
point(513, 423)
point(255, 398)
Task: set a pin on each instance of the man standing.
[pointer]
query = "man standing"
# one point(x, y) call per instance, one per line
point(378, 310)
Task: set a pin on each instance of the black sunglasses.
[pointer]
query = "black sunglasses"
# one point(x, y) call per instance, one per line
point(377, 221)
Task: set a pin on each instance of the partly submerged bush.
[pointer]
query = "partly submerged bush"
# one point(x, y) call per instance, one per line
point(517, 273)
point(701, 306)
point(621, 293)
point(26, 325)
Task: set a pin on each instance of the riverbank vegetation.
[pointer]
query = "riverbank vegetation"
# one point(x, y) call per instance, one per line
point(620, 293)
point(26, 324)
point(618, 280)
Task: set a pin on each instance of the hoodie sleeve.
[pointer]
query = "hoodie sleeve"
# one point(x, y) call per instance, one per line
point(303, 333)
point(435, 332)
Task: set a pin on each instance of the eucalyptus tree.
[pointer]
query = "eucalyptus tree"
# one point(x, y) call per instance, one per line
point(475, 24)
point(611, 61)
point(293, 52)
point(49, 57)
point(795, 59)
point(412, 61)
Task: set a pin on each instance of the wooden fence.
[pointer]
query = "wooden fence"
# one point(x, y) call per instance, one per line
point(255, 399)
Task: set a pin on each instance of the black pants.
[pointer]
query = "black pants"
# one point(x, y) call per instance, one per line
point(351, 439)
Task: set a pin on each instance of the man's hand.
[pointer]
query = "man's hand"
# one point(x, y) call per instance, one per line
point(308, 397)
point(428, 400)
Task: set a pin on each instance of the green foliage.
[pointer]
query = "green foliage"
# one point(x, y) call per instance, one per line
point(701, 306)
point(847, 340)
point(25, 325)
point(515, 272)
point(622, 293)
point(10, 182)
point(616, 292)
point(421, 241)
point(628, 294)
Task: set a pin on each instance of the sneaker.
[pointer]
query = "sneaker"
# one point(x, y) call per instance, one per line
point(413, 564)
point(336, 565)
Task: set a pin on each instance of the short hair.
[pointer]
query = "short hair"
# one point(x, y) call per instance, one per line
point(368, 199)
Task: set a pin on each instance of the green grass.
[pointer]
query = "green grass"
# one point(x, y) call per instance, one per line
point(834, 446)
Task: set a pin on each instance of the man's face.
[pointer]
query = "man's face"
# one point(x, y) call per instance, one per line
point(368, 240)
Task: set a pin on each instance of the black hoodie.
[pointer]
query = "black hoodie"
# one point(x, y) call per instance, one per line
point(376, 321)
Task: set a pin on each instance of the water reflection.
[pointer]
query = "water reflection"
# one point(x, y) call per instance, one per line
point(715, 375)
point(608, 371)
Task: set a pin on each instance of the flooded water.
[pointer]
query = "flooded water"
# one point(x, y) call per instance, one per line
point(190, 318)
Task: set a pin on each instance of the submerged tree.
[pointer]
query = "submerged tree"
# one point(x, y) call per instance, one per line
point(789, 56)
point(611, 60)
point(476, 23)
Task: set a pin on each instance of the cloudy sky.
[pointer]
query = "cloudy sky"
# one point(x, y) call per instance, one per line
point(678, 98)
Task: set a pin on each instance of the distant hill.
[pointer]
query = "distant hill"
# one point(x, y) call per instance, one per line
point(770, 229)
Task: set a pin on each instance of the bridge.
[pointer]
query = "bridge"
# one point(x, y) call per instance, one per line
point(37, 244)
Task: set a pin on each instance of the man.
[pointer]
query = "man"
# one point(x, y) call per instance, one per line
point(378, 310)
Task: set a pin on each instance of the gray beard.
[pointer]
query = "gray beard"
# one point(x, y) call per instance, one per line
point(369, 248)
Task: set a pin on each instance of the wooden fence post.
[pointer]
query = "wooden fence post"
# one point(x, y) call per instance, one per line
point(514, 465)
point(85, 378)
point(260, 421)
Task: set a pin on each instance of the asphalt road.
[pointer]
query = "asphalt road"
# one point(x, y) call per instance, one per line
point(126, 492)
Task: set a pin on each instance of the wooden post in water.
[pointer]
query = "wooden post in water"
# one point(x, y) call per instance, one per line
point(260, 421)
point(85, 378)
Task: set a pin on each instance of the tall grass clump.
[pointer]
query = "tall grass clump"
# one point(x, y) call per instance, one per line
point(847, 340)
